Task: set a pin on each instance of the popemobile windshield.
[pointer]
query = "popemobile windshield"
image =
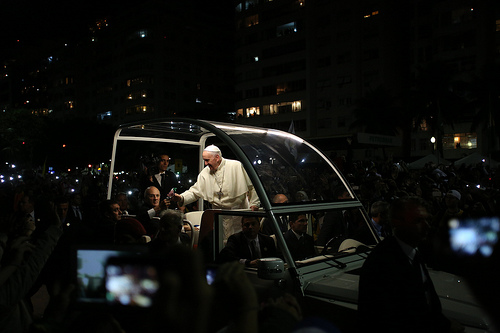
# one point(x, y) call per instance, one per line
point(277, 162)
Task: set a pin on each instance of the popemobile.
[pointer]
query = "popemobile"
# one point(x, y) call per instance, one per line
point(278, 162)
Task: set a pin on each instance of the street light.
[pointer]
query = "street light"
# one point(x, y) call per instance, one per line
point(433, 141)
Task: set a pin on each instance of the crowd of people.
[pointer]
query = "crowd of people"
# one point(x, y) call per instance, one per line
point(43, 219)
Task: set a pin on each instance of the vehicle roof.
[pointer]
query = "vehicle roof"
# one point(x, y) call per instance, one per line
point(276, 161)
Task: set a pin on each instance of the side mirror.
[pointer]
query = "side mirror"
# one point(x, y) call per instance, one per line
point(271, 269)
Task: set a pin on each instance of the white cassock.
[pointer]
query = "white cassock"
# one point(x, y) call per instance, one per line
point(229, 187)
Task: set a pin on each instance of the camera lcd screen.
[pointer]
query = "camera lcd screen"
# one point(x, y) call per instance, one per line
point(89, 269)
point(474, 236)
point(131, 283)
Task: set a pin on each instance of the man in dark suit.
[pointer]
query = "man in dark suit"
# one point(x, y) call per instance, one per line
point(151, 208)
point(396, 293)
point(299, 242)
point(75, 213)
point(164, 180)
point(248, 245)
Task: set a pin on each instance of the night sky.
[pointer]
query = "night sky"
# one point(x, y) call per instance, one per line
point(34, 21)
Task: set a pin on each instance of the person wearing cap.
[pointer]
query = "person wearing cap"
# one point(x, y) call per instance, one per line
point(452, 208)
point(225, 184)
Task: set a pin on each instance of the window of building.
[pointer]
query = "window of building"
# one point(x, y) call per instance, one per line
point(460, 141)
point(284, 68)
point(344, 79)
point(284, 107)
point(286, 29)
point(249, 4)
point(370, 77)
point(424, 127)
point(324, 123)
point(341, 122)
point(105, 115)
point(239, 113)
point(139, 80)
point(370, 54)
point(324, 62)
point(280, 50)
point(252, 93)
point(252, 75)
point(344, 58)
point(138, 94)
point(253, 111)
point(324, 83)
point(497, 25)
point(344, 36)
point(345, 101)
point(135, 109)
point(370, 14)
point(69, 104)
point(251, 20)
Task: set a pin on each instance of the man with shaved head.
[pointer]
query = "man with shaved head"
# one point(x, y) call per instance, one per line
point(267, 227)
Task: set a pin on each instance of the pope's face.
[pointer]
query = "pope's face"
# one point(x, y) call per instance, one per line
point(211, 160)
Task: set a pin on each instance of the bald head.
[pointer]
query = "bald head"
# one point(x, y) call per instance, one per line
point(280, 198)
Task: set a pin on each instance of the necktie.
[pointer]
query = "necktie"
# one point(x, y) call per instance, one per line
point(417, 264)
point(162, 180)
point(78, 214)
point(253, 248)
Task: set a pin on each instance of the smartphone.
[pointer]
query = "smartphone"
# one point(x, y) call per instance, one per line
point(171, 194)
point(131, 282)
point(474, 236)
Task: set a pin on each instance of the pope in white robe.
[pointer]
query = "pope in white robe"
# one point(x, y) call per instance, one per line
point(225, 184)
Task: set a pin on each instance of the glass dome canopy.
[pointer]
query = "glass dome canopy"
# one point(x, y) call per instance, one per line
point(277, 162)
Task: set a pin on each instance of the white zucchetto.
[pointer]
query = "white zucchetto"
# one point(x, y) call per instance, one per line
point(212, 149)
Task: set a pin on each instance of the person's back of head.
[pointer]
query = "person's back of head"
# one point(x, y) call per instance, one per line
point(379, 208)
point(409, 219)
point(170, 226)
point(340, 192)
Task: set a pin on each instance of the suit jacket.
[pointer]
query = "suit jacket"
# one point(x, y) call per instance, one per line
point(237, 248)
point(393, 296)
point(170, 182)
point(300, 249)
point(148, 224)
